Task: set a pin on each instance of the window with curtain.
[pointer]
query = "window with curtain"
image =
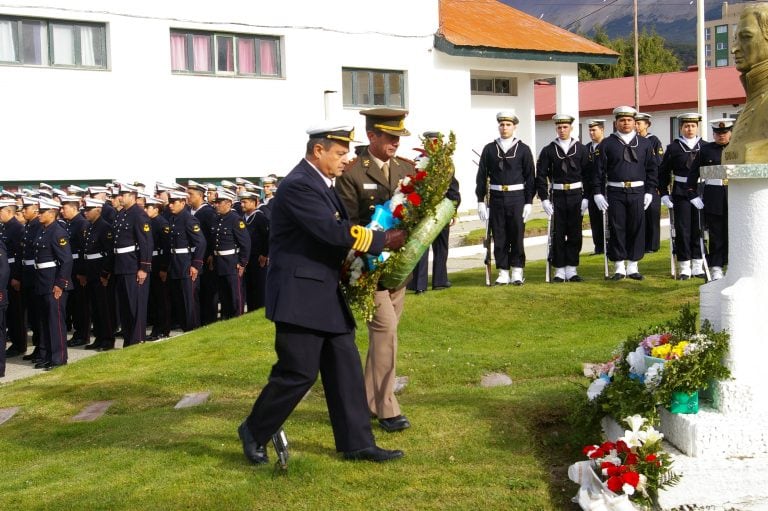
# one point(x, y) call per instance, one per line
point(240, 54)
point(53, 43)
point(372, 87)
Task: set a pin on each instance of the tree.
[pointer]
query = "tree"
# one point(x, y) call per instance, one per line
point(654, 56)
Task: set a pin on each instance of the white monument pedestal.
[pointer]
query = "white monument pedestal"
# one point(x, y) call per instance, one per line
point(721, 446)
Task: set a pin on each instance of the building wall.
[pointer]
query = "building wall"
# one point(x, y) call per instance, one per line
point(722, 33)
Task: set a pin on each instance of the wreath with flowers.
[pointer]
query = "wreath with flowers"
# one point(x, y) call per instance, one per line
point(418, 207)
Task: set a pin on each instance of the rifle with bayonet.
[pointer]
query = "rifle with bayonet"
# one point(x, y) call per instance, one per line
point(672, 256)
point(702, 233)
point(487, 240)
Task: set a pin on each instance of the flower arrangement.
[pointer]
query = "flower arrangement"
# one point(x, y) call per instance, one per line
point(418, 207)
point(648, 368)
point(627, 474)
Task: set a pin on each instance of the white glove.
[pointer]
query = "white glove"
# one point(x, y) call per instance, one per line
point(584, 206)
point(548, 208)
point(667, 201)
point(647, 198)
point(696, 201)
point(526, 212)
point(482, 211)
point(601, 203)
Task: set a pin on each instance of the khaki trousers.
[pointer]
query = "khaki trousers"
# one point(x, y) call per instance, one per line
point(380, 365)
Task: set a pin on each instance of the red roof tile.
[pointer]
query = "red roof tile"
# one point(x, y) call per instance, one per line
point(663, 91)
point(492, 24)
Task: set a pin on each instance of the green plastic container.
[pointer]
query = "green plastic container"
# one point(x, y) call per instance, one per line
point(683, 402)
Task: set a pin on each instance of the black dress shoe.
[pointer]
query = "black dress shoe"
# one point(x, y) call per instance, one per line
point(374, 453)
point(43, 365)
point(31, 356)
point(558, 280)
point(636, 276)
point(618, 276)
point(106, 347)
point(13, 352)
point(442, 286)
point(50, 366)
point(93, 346)
point(393, 424)
point(254, 451)
point(73, 343)
point(684, 277)
point(421, 291)
point(576, 278)
point(518, 282)
point(701, 275)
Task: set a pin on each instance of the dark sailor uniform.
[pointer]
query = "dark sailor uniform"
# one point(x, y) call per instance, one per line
point(256, 274)
point(78, 308)
point(715, 197)
point(25, 268)
point(98, 252)
point(595, 215)
point(5, 275)
point(653, 212)
point(159, 289)
point(231, 249)
point(187, 247)
point(12, 234)
point(209, 299)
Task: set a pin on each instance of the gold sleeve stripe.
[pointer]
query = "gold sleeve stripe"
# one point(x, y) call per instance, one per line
point(363, 238)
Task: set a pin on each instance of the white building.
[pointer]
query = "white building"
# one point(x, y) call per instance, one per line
point(161, 91)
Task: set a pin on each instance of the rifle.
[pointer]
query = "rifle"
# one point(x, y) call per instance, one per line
point(487, 240)
point(703, 247)
point(606, 235)
point(672, 258)
point(280, 441)
point(550, 229)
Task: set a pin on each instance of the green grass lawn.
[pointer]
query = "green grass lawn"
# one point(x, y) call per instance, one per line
point(469, 447)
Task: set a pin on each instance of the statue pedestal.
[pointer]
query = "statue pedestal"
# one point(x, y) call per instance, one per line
point(735, 428)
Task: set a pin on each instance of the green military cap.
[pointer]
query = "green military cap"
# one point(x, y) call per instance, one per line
point(387, 120)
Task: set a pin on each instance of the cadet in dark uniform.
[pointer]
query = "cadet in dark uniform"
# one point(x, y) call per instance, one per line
point(507, 164)
point(13, 232)
point(560, 168)
point(5, 274)
point(597, 134)
point(627, 169)
point(257, 222)
point(206, 215)
point(78, 306)
point(653, 212)
point(675, 170)
point(187, 247)
point(132, 265)
point(108, 212)
point(25, 268)
point(370, 180)
point(231, 252)
point(98, 252)
point(714, 198)
point(314, 327)
point(159, 288)
point(53, 265)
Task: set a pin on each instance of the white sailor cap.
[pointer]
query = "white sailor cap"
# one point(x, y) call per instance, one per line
point(194, 185)
point(176, 195)
point(595, 122)
point(722, 125)
point(689, 117)
point(241, 181)
point(45, 186)
point(624, 111)
point(7, 202)
point(224, 194)
point(639, 116)
point(45, 203)
point(126, 188)
point(28, 200)
point(334, 130)
point(563, 119)
point(229, 185)
point(93, 203)
point(152, 201)
point(507, 115)
point(248, 195)
point(70, 199)
point(76, 190)
point(97, 189)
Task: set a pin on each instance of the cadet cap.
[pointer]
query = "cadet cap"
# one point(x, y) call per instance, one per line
point(44, 192)
point(152, 201)
point(241, 181)
point(45, 204)
point(563, 119)
point(210, 187)
point(689, 117)
point(229, 185)
point(28, 201)
point(93, 190)
point(252, 187)
point(224, 194)
point(76, 190)
point(624, 111)
point(175, 195)
point(595, 122)
point(643, 117)
point(722, 125)
point(7, 202)
point(93, 203)
point(45, 186)
point(70, 199)
point(507, 115)
point(126, 188)
point(194, 185)
point(332, 130)
point(248, 195)
point(387, 120)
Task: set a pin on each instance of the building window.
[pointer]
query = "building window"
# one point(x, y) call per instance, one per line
point(504, 86)
point(707, 51)
point(721, 62)
point(225, 54)
point(707, 33)
point(56, 43)
point(721, 29)
point(373, 87)
point(722, 46)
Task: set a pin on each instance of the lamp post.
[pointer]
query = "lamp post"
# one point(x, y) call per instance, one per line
point(700, 46)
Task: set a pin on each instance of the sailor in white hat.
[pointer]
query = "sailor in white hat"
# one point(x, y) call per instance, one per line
point(231, 252)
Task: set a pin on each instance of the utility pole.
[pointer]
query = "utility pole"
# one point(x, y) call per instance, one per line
point(700, 45)
point(637, 61)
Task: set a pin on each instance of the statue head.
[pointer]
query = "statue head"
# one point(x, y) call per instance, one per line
point(751, 46)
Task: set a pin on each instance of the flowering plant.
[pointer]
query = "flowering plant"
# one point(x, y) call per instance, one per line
point(649, 367)
point(417, 207)
point(635, 466)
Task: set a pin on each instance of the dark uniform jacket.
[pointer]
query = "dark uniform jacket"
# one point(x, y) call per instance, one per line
point(186, 244)
point(98, 242)
point(161, 236)
point(258, 228)
point(588, 173)
point(658, 151)
point(678, 161)
point(232, 244)
point(76, 229)
point(206, 215)
point(558, 166)
point(5, 275)
point(363, 186)
point(131, 229)
point(108, 212)
point(617, 161)
point(13, 232)
point(53, 259)
point(514, 167)
point(715, 197)
point(310, 236)
point(27, 253)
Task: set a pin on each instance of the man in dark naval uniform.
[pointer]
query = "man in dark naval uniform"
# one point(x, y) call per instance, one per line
point(714, 198)
point(653, 212)
point(25, 269)
point(231, 252)
point(187, 247)
point(78, 306)
point(369, 180)
point(597, 134)
point(257, 222)
point(628, 170)
point(159, 290)
point(206, 215)
point(13, 232)
point(5, 275)
point(53, 265)
point(674, 172)
point(506, 172)
point(132, 265)
point(560, 185)
point(311, 235)
point(98, 252)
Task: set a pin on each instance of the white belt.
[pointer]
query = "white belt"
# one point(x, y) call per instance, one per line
point(88, 257)
point(507, 188)
point(125, 250)
point(28, 262)
point(231, 251)
point(11, 260)
point(681, 179)
point(625, 184)
point(155, 252)
point(716, 182)
point(181, 250)
point(567, 186)
point(75, 256)
point(49, 264)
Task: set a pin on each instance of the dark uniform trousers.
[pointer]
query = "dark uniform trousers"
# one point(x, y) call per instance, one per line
point(255, 282)
point(102, 299)
point(231, 295)
point(16, 320)
point(508, 228)
point(160, 298)
point(653, 223)
point(29, 302)
point(687, 230)
point(718, 238)
point(566, 235)
point(53, 335)
point(184, 297)
point(626, 218)
point(79, 310)
point(439, 264)
point(596, 225)
point(132, 300)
